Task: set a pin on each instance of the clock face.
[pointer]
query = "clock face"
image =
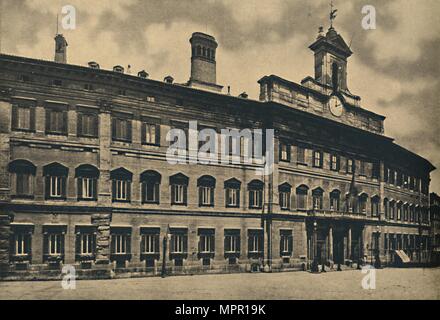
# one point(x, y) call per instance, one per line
point(336, 107)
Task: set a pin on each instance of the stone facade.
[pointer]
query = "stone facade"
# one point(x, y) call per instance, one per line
point(341, 191)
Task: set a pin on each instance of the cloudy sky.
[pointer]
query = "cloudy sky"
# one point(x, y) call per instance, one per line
point(395, 68)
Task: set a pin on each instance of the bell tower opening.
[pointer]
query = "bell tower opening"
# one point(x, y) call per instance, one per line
point(335, 76)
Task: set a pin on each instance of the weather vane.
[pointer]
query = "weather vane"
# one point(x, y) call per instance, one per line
point(332, 14)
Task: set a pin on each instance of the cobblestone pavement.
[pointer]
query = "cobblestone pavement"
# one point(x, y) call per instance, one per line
point(390, 284)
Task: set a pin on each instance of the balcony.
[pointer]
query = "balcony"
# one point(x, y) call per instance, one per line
point(327, 213)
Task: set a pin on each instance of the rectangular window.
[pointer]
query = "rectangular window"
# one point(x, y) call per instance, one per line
point(232, 241)
point(121, 190)
point(232, 197)
point(56, 243)
point(206, 196)
point(334, 202)
point(350, 165)
point(87, 124)
point(206, 241)
point(87, 243)
point(286, 242)
point(150, 243)
point(56, 186)
point(178, 192)
point(24, 184)
point(120, 243)
point(22, 244)
point(284, 152)
point(317, 159)
point(255, 242)
point(255, 199)
point(179, 243)
point(151, 134)
point(88, 188)
point(362, 168)
point(150, 192)
point(301, 201)
point(284, 200)
point(56, 121)
point(121, 129)
point(301, 155)
point(334, 162)
point(23, 118)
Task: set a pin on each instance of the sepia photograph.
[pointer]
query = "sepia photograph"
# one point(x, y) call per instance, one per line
point(219, 150)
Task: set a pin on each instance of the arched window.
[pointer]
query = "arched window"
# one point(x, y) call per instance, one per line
point(204, 51)
point(179, 189)
point(405, 212)
point(411, 213)
point(392, 209)
point(335, 75)
point(375, 206)
point(150, 186)
point(362, 203)
point(284, 191)
point(206, 185)
point(335, 197)
point(399, 210)
point(121, 185)
point(255, 188)
point(55, 180)
point(87, 181)
point(317, 195)
point(232, 190)
point(22, 178)
point(301, 196)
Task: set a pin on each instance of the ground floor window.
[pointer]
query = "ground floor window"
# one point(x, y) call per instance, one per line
point(232, 241)
point(286, 242)
point(53, 243)
point(255, 243)
point(21, 242)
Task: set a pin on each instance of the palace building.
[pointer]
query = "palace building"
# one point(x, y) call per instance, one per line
point(84, 178)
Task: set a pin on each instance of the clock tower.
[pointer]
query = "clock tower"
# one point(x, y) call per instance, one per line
point(331, 54)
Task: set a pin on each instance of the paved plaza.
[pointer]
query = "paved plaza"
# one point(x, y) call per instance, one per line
point(390, 284)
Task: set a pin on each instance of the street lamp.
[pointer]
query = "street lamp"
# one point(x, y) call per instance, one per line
point(164, 253)
point(315, 268)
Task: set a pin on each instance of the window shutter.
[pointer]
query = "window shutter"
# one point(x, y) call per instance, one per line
point(228, 196)
point(112, 244)
point(156, 192)
point(288, 199)
point(79, 123)
point(79, 184)
point(14, 116)
point(158, 134)
point(281, 244)
point(290, 244)
point(238, 243)
point(63, 186)
point(200, 196)
point(212, 248)
point(172, 243)
point(62, 243)
point(77, 244)
point(129, 243)
point(212, 190)
point(95, 125)
point(185, 243)
point(142, 246)
point(114, 123)
point(45, 243)
point(172, 194)
point(95, 188)
point(48, 126)
point(128, 190)
point(113, 190)
point(32, 119)
point(238, 198)
point(64, 124)
point(156, 243)
point(249, 243)
point(47, 187)
point(143, 132)
point(185, 195)
point(199, 245)
point(129, 133)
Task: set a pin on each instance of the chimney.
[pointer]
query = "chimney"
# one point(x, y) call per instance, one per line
point(93, 65)
point(60, 49)
point(203, 64)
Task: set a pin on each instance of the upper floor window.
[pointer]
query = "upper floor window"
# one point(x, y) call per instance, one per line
point(87, 182)
point(317, 159)
point(22, 178)
point(334, 162)
point(375, 206)
point(301, 197)
point(301, 155)
point(318, 198)
point(362, 203)
point(23, 117)
point(206, 185)
point(179, 189)
point(121, 128)
point(284, 196)
point(150, 185)
point(56, 82)
point(399, 211)
point(335, 196)
point(376, 170)
point(55, 181)
point(255, 188)
point(392, 205)
point(286, 243)
point(121, 185)
point(232, 190)
point(150, 133)
point(284, 152)
point(386, 208)
point(87, 124)
point(350, 165)
point(362, 168)
point(56, 120)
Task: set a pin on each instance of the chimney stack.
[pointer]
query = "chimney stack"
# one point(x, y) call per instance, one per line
point(203, 64)
point(60, 49)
